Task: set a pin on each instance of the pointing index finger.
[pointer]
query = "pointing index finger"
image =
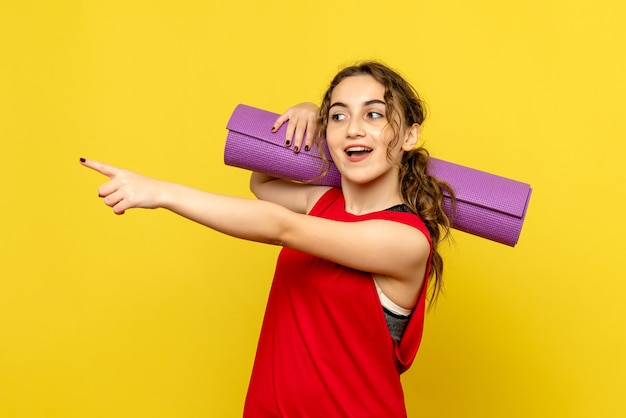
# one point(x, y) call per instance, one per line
point(102, 168)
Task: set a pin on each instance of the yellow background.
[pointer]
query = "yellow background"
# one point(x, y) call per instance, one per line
point(148, 315)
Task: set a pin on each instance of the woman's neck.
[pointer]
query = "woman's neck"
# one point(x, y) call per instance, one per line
point(361, 199)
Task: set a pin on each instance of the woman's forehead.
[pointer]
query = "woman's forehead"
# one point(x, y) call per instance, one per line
point(361, 87)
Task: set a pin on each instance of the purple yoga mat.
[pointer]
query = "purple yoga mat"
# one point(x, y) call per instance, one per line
point(488, 205)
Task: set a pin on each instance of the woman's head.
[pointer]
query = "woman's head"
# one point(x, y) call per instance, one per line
point(403, 105)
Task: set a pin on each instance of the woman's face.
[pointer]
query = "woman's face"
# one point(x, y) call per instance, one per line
point(358, 131)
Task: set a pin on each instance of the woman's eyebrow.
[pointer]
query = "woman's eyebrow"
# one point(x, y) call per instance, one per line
point(367, 103)
point(340, 104)
point(375, 101)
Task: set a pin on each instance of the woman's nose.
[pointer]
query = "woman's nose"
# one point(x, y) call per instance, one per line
point(355, 128)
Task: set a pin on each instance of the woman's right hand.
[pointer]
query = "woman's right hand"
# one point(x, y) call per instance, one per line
point(302, 119)
point(126, 189)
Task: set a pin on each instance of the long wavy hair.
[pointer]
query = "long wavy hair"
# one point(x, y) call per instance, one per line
point(421, 192)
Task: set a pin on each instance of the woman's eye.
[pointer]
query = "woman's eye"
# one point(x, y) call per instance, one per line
point(338, 116)
point(375, 115)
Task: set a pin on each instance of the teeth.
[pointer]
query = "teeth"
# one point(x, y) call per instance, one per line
point(357, 149)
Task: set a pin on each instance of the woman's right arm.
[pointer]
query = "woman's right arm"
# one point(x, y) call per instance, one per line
point(378, 246)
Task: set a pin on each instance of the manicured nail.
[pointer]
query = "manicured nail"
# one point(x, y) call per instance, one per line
point(306, 148)
point(82, 160)
point(273, 128)
point(287, 143)
point(296, 149)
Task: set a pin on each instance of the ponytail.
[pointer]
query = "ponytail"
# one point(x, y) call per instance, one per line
point(423, 194)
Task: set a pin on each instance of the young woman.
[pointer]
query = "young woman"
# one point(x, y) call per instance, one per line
point(345, 313)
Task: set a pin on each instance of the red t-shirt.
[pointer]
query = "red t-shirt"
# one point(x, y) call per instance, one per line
point(325, 349)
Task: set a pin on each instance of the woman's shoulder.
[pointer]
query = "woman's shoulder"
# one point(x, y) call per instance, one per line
point(402, 213)
point(322, 197)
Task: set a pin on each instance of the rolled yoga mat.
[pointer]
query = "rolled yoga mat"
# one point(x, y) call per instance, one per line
point(489, 206)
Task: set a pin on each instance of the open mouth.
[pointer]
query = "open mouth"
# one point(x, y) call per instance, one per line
point(357, 151)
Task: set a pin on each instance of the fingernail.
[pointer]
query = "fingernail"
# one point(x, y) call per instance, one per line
point(296, 149)
point(273, 128)
point(287, 142)
point(82, 160)
point(306, 148)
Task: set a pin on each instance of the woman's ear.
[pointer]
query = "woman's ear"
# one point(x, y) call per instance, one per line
point(411, 137)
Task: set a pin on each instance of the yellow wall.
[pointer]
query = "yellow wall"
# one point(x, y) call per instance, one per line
point(148, 315)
